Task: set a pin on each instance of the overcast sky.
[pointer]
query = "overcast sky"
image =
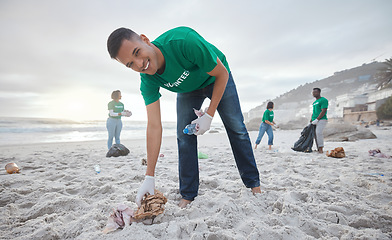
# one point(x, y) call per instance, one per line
point(54, 60)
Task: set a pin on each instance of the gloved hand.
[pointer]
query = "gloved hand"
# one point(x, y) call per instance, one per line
point(147, 186)
point(204, 123)
point(315, 121)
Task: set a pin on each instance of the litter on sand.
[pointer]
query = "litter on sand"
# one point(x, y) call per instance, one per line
point(12, 168)
point(336, 153)
point(151, 206)
point(377, 153)
point(201, 155)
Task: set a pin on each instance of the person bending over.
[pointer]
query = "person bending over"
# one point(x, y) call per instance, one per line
point(182, 61)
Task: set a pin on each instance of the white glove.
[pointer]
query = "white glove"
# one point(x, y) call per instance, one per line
point(315, 121)
point(204, 123)
point(147, 186)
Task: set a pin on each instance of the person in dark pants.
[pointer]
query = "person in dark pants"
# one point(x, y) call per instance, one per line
point(182, 61)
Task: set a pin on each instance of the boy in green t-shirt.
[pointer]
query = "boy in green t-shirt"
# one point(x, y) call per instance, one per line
point(182, 61)
point(319, 117)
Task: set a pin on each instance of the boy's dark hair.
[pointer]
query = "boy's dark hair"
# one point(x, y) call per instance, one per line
point(116, 94)
point(115, 39)
point(270, 105)
point(317, 89)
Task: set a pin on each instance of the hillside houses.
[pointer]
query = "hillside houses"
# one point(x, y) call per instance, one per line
point(364, 108)
point(352, 95)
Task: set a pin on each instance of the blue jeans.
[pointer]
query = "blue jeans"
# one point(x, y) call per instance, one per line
point(264, 127)
point(230, 112)
point(114, 126)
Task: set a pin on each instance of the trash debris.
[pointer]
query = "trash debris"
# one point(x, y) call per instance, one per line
point(161, 155)
point(117, 150)
point(144, 161)
point(200, 112)
point(12, 168)
point(191, 129)
point(151, 206)
point(374, 174)
point(377, 153)
point(201, 155)
point(305, 141)
point(126, 113)
point(119, 218)
point(336, 153)
point(97, 168)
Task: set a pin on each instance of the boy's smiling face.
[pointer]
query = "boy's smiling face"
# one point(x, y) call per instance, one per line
point(139, 55)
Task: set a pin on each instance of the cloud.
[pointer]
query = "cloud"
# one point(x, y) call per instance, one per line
point(272, 46)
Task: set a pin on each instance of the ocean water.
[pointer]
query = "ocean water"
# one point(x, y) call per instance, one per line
point(15, 131)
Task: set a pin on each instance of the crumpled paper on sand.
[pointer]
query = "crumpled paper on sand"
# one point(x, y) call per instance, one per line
point(336, 153)
point(151, 206)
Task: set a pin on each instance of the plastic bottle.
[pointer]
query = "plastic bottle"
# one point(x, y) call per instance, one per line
point(191, 129)
point(97, 168)
point(375, 174)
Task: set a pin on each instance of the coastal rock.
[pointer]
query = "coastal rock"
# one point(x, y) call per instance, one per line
point(339, 132)
point(294, 124)
point(253, 124)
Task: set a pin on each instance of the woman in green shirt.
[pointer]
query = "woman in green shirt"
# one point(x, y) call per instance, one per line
point(266, 126)
point(114, 123)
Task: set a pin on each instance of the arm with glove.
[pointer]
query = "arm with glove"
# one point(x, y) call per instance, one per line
point(221, 76)
point(323, 111)
point(154, 138)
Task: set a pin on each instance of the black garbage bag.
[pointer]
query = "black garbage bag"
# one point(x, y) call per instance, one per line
point(305, 142)
point(117, 150)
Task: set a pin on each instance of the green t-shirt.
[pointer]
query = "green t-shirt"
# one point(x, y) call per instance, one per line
point(188, 57)
point(117, 107)
point(319, 104)
point(268, 115)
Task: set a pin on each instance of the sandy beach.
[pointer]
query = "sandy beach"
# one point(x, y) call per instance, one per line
point(58, 195)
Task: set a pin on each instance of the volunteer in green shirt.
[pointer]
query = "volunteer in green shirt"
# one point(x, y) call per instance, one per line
point(114, 123)
point(319, 117)
point(182, 61)
point(266, 126)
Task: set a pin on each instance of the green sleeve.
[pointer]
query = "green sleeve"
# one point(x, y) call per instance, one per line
point(150, 92)
point(110, 106)
point(324, 103)
point(265, 115)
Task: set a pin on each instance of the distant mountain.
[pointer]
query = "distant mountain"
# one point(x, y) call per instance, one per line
point(297, 103)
